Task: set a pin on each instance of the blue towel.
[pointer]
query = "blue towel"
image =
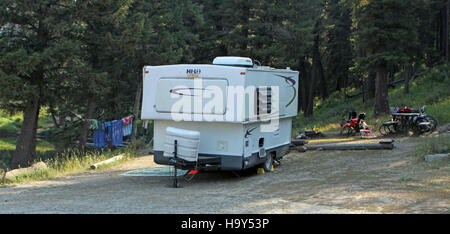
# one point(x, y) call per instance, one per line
point(127, 129)
point(100, 136)
point(108, 131)
point(116, 132)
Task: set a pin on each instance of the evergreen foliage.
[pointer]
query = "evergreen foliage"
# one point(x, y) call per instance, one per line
point(83, 59)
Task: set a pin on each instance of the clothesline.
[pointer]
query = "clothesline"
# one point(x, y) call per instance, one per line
point(131, 116)
point(111, 131)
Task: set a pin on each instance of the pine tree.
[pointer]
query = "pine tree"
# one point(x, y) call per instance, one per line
point(338, 45)
point(34, 51)
point(389, 33)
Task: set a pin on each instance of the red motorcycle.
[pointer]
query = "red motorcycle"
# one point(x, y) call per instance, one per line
point(352, 125)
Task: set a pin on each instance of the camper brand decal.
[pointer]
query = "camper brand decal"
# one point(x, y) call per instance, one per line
point(193, 73)
point(291, 83)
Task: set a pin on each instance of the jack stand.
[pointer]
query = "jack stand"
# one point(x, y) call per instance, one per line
point(175, 179)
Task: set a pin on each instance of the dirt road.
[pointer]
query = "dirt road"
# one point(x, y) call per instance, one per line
point(312, 182)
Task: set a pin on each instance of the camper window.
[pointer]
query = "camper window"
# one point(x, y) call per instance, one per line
point(263, 100)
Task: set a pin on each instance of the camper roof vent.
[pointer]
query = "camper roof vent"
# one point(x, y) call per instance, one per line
point(233, 61)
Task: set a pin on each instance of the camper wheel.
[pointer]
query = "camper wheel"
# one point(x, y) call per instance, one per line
point(269, 162)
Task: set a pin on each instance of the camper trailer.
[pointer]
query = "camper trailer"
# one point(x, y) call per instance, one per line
point(229, 115)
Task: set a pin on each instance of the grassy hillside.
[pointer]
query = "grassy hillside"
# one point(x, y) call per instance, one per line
point(431, 89)
point(13, 122)
point(10, 123)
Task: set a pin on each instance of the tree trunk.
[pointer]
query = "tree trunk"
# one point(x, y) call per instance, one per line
point(407, 76)
point(305, 79)
point(52, 113)
point(316, 74)
point(443, 32)
point(372, 86)
point(302, 86)
point(381, 92)
point(446, 31)
point(309, 94)
point(137, 104)
point(310, 98)
point(320, 75)
point(85, 126)
point(26, 143)
point(369, 86)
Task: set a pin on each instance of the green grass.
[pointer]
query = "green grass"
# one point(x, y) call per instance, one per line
point(9, 143)
point(431, 89)
point(13, 122)
point(433, 145)
point(72, 162)
point(60, 166)
point(10, 122)
point(8, 125)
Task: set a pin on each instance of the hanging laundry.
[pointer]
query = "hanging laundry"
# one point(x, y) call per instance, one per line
point(126, 120)
point(111, 131)
point(94, 124)
point(116, 132)
point(100, 136)
point(108, 131)
point(128, 128)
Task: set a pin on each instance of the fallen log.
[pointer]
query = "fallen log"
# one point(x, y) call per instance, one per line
point(108, 161)
point(298, 142)
point(347, 147)
point(433, 157)
point(21, 171)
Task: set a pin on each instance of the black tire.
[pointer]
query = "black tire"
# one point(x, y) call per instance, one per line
point(418, 129)
point(267, 165)
point(433, 121)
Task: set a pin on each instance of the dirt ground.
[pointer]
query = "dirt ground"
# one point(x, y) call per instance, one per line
point(388, 181)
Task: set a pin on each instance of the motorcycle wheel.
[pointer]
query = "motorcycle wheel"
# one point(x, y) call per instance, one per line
point(433, 122)
point(349, 131)
point(419, 129)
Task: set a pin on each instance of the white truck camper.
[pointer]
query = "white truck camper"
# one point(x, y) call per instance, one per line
point(231, 115)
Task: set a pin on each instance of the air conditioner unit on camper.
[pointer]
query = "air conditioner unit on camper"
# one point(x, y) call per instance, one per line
point(233, 61)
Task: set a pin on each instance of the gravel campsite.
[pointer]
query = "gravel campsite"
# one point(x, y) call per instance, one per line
point(312, 182)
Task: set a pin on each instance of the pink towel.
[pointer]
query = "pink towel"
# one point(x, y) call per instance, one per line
point(126, 120)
